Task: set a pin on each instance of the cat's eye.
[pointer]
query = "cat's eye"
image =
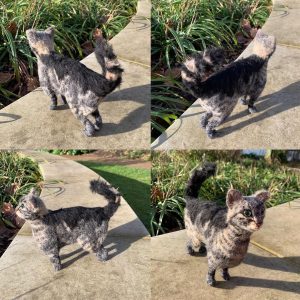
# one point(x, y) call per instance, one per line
point(247, 213)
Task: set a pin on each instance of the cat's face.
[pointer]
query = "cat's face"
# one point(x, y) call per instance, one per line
point(31, 206)
point(246, 212)
point(264, 45)
point(41, 42)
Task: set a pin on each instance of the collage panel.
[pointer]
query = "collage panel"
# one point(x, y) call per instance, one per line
point(87, 219)
point(49, 99)
point(208, 204)
point(149, 149)
point(225, 75)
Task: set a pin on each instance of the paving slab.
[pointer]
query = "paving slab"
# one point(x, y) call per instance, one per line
point(177, 275)
point(277, 122)
point(26, 273)
point(284, 220)
point(29, 124)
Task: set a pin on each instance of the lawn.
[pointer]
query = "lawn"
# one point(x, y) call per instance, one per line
point(133, 183)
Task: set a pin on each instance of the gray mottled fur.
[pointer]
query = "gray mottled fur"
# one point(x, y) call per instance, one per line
point(81, 88)
point(54, 229)
point(244, 79)
point(224, 231)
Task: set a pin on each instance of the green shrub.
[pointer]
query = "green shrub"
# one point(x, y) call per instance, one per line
point(17, 176)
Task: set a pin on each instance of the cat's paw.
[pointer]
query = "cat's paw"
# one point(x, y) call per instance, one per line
point(98, 126)
point(252, 110)
point(190, 250)
point(244, 101)
point(212, 134)
point(225, 275)
point(102, 255)
point(57, 267)
point(89, 129)
point(211, 281)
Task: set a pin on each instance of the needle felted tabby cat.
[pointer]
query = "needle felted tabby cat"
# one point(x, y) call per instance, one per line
point(54, 229)
point(78, 85)
point(224, 231)
point(220, 92)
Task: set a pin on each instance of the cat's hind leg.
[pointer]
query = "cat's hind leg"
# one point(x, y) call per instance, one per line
point(253, 97)
point(89, 129)
point(52, 251)
point(225, 275)
point(204, 119)
point(98, 119)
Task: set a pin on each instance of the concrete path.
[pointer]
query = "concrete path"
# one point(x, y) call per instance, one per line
point(25, 273)
point(277, 123)
point(29, 124)
point(271, 269)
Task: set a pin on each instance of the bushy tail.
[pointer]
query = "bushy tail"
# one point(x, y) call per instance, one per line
point(108, 61)
point(199, 66)
point(111, 194)
point(198, 177)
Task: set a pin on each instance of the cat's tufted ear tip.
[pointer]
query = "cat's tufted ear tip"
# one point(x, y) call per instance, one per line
point(233, 196)
point(262, 195)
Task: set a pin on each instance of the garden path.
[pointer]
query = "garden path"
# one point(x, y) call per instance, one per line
point(29, 124)
point(277, 122)
point(26, 273)
point(271, 269)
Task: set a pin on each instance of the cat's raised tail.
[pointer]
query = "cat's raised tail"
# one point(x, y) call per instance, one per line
point(111, 194)
point(198, 177)
point(111, 68)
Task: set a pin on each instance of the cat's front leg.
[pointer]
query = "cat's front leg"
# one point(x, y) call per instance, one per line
point(89, 129)
point(49, 92)
point(211, 276)
point(55, 260)
point(204, 119)
point(189, 247)
point(102, 254)
point(225, 275)
point(98, 119)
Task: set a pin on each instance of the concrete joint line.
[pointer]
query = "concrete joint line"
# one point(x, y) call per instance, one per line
point(134, 62)
point(267, 249)
point(289, 46)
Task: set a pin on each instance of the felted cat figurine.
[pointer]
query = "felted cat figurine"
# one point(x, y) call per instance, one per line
point(79, 86)
point(220, 92)
point(54, 229)
point(224, 231)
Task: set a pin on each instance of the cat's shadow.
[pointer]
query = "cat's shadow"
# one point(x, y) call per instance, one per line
point(114, 244)
point(133, 119)
point(285, 264)
point(268, 106)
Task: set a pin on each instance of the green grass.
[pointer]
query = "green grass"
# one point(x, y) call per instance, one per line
point(180, 27)
point(133, 183)
point(17, 176)
point(74, 21)
point(170, 172)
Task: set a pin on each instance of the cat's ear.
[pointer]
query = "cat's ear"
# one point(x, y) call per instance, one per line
point(262, 195)
point(50, 30)
point(33, 192)
point(232, 197)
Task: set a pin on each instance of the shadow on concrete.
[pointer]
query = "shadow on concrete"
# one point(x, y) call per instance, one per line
point(115, 244)
point(268, 106)
point(281, 285)
point(134, 119)
point(10, 117)
point(285, 264)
